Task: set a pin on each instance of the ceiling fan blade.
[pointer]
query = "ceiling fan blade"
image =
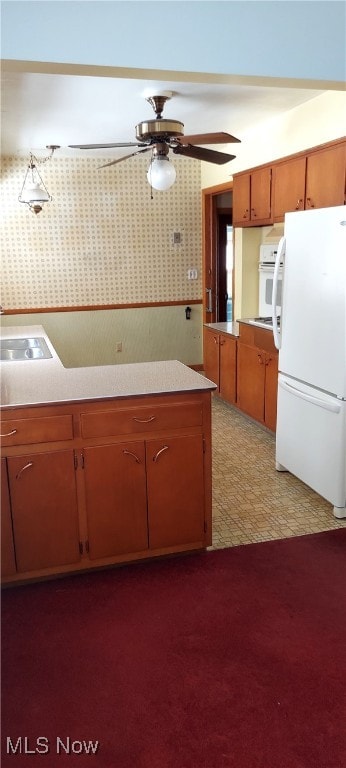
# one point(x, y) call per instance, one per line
point(105, 146)
point(209, 138)
point(199, 153)
point(125, 157)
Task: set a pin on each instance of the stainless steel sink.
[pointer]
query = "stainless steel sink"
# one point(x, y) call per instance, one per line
point(24, 349)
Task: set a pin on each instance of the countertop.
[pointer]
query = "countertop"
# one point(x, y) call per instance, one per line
point(231, 328)
point(43, 382)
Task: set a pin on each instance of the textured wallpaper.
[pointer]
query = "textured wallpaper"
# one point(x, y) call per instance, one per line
point(102, 239)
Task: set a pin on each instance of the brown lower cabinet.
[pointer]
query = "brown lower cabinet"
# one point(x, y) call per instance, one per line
point(43, 495)
point(220, 362)
point(131, 479)
point(8, 561)
point(144, 495)
point(244, 369)
point(257, 375)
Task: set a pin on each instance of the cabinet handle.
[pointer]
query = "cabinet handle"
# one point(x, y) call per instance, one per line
point(245, 213)
point(209, 307)
point(143, 421)
point(8, 434)
point(215, 339)
point(222, 341)
point(260, 360)
point(129, 453)
point(299, 201)
point(253, 212)
point(26, 466)
point(165, 448)
point(309, 202)
point(268, 361)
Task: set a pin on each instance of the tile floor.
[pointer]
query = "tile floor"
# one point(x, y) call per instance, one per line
point(251, 500)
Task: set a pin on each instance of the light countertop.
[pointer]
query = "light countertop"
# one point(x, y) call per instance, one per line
point(43, 382)
point(232, 327)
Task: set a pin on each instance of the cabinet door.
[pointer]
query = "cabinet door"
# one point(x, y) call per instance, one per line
point(288, 187)
point(116, 503)
point(211, 355)
point(228, 367)
point(250, 381)
point(8, 563)
point(241, 199)
point(271, 391)
point(261, 195)
point(325, 177)
point(44, 509)
point(175, 491)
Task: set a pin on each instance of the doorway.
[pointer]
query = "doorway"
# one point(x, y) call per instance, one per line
point(218, 277)
point(224, 266)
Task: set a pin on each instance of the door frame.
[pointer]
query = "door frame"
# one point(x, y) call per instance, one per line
point(209, 247)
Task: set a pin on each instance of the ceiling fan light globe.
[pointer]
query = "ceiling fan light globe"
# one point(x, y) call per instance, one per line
point(161, 174)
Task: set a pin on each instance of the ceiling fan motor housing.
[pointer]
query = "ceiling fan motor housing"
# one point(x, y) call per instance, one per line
point(159, 130)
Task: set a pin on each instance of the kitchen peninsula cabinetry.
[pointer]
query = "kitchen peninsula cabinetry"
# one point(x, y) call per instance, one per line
point(123, 479)
point(252, 198)
point(257, 374)
point(220, 362)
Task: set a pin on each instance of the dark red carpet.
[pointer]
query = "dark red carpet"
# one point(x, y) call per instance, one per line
point(227, 659)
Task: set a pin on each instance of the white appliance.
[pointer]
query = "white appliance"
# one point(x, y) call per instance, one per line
point(311, 417)
point(266, 275)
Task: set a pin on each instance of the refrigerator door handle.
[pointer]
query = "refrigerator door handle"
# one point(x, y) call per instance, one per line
point(279, 258)
point(333, 407)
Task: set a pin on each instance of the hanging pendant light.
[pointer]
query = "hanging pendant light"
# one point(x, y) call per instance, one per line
point(34, 193)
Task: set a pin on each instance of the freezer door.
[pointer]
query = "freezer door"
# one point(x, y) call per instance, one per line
point(313, 322)
point(310, 438)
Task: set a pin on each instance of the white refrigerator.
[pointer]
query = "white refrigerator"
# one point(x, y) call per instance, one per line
point(311, 417)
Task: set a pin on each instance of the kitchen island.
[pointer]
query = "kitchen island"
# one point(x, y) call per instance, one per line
point(101, 465)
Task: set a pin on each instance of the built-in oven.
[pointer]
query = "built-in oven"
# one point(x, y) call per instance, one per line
point(267, 258)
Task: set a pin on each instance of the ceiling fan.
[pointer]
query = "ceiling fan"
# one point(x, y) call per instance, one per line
point(161, 135)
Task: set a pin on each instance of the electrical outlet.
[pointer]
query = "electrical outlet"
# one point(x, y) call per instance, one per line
point(176, 238)
point(119, 346)
point(192, 274)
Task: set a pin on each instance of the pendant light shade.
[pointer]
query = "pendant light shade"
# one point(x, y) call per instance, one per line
point(161, 174)
point(35, 194)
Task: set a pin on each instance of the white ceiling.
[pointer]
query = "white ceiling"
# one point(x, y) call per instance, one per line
point(40, 109)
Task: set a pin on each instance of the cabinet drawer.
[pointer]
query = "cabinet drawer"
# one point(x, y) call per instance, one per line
point(132, 420)
point(41, 430)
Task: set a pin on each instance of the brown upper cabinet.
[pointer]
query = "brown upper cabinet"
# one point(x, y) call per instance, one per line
point(252, 198)
point(312, 179)
point(326, 177)
point(288, 187)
